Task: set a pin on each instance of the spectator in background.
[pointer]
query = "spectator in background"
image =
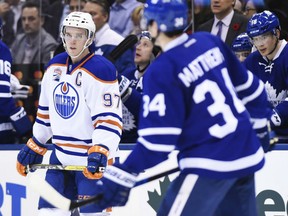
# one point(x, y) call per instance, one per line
point(14, 121)
point(35, 44)
point(270, 64)
point(238, 6)
point(106, 39)
point(71, 6)
point(76, 5)
point(10, 11)
point(120, 16)
point(226, 23)
point(202, 13)
point(131, 86)
point(136, 19)
point(242, 46)
point(58, 9)
point(252, 7)
point(280, 9)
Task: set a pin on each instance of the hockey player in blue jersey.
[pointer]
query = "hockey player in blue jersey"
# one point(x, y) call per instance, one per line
point(80, 109)
point(242, 46)
point(270, 64)
point(131, 86)
point(200, 100)
point(14, 121)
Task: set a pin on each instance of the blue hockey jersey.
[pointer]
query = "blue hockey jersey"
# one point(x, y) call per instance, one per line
point(131, 107)
point(198, 99)
point(19, 122)
point(274, 74)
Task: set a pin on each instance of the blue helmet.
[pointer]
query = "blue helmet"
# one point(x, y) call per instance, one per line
point(261, 23)
point(242, 43)
point(170, 15)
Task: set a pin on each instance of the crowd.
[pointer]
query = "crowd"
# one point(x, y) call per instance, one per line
point(56, 36)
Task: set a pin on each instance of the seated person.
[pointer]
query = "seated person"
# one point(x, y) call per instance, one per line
point(242, 46)
point(131, 86)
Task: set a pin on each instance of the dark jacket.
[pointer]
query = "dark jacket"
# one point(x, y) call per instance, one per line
point(237, 26)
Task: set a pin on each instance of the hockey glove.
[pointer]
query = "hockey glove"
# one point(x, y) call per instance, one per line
point(97, 162)
point(267, 138)
point(275, 119)
point(115, 186)
point(20, 121)
point(18, 91)
point(124, 89)
point(31, 153)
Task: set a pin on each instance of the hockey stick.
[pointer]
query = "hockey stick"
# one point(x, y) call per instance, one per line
point(126, 44)
point(34, 167)
point(47, 192)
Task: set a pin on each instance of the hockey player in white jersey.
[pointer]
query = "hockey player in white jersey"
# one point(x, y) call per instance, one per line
point(270, 64)
point(80, 109)
point(200, 100)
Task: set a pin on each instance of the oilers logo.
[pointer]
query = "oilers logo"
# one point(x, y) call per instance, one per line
point(66, 100)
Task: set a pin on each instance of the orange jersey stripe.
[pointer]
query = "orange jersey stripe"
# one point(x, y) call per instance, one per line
point(42, 116)
point(73, 146)
point(109, 122)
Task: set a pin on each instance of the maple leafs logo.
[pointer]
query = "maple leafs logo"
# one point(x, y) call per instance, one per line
point(273, 97)
point(128, 119)
point(155, 198)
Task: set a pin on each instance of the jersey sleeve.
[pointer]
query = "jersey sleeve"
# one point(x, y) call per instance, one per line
point(103, 99)
point(250, 89)
point(42, 128)
point(160, 123)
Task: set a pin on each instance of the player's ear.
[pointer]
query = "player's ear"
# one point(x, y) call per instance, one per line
point(153, 29)
point(277, 33)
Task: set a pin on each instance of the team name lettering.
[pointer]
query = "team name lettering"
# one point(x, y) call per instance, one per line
point(65, 103)
point(203, 63)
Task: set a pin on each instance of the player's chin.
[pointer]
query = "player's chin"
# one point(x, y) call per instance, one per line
point(263, 52)
point(216, 9)
point(72, 52)
point(137, 59)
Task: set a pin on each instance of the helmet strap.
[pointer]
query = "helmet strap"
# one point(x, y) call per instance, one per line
point(276, 44)
point(86, 45)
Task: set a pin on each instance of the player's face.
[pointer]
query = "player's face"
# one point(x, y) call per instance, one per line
point(221, 7)
point(265, 43)
point(250, 9)
point(96, 11)
point(31, 20)
point(75, 39)
point(143, 51)
point(242, 55)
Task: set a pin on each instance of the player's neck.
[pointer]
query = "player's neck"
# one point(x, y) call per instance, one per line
point(163, 40)
point(79, 58)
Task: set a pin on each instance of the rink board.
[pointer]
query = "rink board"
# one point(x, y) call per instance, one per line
point(271, 186)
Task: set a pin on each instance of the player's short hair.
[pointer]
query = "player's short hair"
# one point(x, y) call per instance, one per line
point(261, 23)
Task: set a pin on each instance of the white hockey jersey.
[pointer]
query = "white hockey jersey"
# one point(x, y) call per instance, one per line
point(79, 106)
